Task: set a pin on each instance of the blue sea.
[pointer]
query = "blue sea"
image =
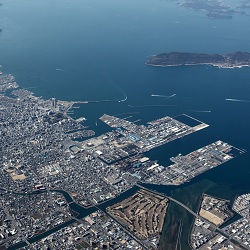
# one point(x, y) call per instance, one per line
point(96, 50)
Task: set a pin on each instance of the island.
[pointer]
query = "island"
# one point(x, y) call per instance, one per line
point(217, 9)
point(231, 60)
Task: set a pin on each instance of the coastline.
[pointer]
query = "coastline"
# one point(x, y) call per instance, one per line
point(197, 64)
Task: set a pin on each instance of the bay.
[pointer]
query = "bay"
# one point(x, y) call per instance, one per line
point(95, 50)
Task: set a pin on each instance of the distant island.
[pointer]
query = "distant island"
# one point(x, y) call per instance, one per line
point(217, 9)
point(231, 60)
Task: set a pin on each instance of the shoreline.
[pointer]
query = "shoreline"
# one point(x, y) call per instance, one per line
point(197, 64)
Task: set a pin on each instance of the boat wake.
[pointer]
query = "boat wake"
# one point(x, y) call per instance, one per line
point(121, 90)
point(236, 100)
point(125, 98)
point(164, 96)
point(144, 106)
point(200, 111)
point(60, 70)
point(127, 113)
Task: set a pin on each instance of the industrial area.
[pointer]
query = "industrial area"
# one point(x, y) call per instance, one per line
point(44, 155)
point(188, 166)
point(209, 232)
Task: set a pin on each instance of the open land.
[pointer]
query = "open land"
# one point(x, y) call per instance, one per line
point(142, 214)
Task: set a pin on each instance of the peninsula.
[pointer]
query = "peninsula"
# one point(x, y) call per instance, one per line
point(231, 60)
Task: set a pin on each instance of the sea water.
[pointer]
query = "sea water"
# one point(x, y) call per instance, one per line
point(83, 50)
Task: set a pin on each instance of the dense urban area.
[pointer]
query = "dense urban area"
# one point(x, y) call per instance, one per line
point(43, 153)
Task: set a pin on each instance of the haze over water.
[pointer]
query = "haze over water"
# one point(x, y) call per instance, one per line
point(95, 50)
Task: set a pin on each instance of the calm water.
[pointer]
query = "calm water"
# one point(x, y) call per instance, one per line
point(94, 50)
